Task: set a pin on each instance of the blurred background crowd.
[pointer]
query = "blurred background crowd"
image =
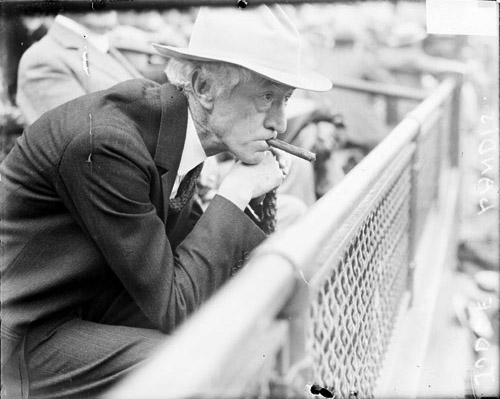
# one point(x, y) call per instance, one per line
point(382, 43)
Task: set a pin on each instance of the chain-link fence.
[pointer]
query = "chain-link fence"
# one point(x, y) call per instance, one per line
point(355, 303)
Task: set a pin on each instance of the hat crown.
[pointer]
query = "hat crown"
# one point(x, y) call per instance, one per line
point(260, 35)
point(261, 39)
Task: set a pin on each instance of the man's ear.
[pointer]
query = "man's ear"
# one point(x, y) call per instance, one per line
point(202, 90)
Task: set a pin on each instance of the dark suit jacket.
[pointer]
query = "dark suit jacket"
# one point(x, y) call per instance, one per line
point(52, 71)
point(85, 197)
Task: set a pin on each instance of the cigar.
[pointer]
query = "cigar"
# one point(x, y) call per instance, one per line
point(291, 149)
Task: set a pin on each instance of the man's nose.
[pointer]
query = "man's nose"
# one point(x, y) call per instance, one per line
point(276, 118)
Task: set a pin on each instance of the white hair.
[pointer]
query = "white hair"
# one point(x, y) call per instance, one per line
point(223, 75)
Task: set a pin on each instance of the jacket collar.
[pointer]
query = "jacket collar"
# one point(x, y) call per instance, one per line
point(173, 124)
point(71, 40)
point(99, 40)
point(65, 37)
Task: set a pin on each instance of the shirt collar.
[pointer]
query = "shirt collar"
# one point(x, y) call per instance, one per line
point(99, 41)
point(193, 153)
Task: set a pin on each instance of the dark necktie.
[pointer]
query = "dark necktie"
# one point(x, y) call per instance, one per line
point(186, 190)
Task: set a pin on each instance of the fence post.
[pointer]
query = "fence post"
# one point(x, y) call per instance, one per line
point(392, 114)
point(454, 153)
point(455, 125)
point(413, 239)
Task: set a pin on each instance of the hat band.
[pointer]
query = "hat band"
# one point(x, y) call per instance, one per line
point(280, 61)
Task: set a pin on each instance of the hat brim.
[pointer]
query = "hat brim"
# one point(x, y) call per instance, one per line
point(306, 79)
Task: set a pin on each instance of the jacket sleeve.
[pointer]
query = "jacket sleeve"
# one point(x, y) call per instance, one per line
point(105, 182)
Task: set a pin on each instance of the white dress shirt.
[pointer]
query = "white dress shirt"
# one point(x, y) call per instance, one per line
point(192, 155)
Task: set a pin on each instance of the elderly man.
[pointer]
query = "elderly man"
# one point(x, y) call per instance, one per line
point(104, 251)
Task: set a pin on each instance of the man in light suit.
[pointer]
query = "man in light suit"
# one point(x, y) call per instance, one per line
point(104, 250)
point(73, 59)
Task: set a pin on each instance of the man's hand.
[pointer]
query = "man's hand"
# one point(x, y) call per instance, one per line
point(244, 182)
point(284, 160)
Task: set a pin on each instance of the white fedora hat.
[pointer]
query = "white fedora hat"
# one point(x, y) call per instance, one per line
point(262, 39)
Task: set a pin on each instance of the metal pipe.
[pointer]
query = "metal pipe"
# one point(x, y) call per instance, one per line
point(379, 89)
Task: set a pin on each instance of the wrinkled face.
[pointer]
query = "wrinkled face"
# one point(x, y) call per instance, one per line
point(245, 118)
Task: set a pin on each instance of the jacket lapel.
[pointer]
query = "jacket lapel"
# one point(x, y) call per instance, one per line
point(65, 37)
point(171, 138)
point(109, 64)
point(112, 63)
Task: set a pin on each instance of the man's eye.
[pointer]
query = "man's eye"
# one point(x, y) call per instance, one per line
point(265, 100)
point(268, 96)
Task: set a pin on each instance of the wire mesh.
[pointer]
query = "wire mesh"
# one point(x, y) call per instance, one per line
point(427, 171)
point(355, 305)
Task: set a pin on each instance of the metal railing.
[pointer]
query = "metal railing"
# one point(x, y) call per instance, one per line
point(392, 94)
point(317, 303)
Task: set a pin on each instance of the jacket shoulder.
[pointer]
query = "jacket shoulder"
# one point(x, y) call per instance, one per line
point(44, 52)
